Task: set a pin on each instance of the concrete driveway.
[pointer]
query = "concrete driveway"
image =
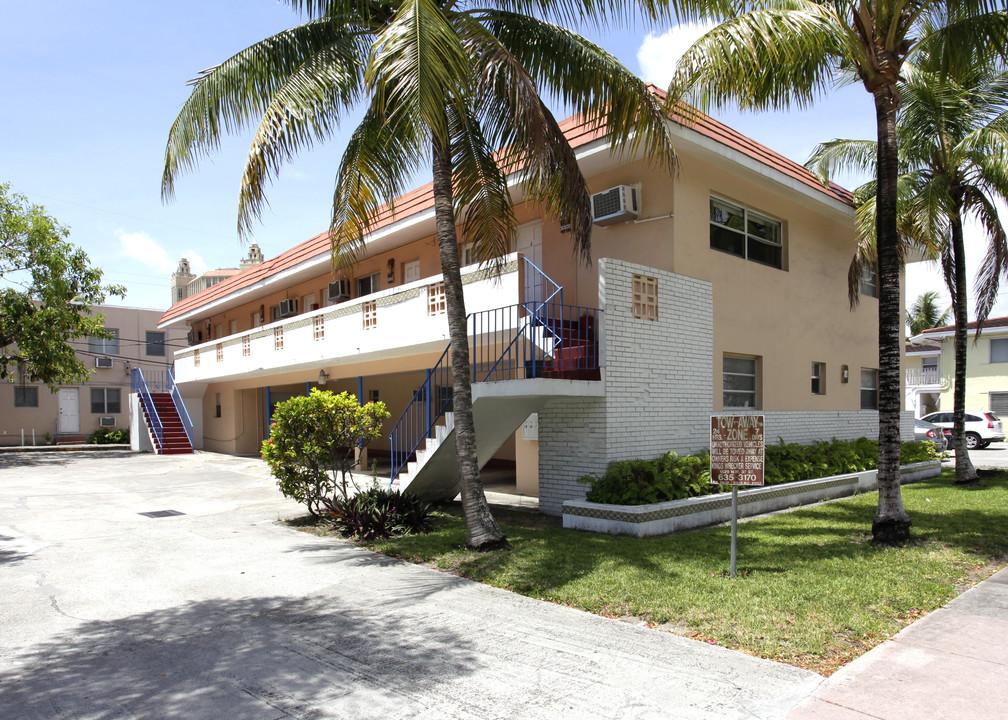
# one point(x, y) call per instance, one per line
point(219, 612)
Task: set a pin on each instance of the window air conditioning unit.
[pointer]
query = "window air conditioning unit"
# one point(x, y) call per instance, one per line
point(616, 205)
point(288, 308)
point(103, 362)
point(339, 291)
point(106, 422)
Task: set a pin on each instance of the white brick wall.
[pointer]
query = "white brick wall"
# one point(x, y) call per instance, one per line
point(657, 373)
point(659, 390)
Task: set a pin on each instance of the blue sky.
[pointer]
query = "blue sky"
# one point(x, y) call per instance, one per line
point(91, 88)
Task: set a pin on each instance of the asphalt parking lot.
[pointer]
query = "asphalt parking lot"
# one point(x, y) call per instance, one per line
point(993, 457)
point(215, 610)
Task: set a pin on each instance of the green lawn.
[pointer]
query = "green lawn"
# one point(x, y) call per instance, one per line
point(811, 589)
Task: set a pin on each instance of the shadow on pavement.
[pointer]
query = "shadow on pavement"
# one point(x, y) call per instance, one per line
point(248, 658)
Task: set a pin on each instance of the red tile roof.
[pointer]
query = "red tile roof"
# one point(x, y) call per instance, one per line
point(998, 322)
point(578, 133)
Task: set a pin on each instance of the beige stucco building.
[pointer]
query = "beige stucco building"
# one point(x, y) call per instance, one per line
point(31, 410)
point(720, 289)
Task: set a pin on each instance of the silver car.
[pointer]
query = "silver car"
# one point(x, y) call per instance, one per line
point(927, 431)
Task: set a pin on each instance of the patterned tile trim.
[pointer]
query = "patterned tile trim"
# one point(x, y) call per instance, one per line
point(343, 310)
point(715, 503)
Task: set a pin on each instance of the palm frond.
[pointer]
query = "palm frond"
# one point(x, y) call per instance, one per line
point(417, 63)
point(378, 162)
point(782, 54)
point(481, 189)
point(842, 154)
point(995, 262)
point(306, 109)
point(226, 98)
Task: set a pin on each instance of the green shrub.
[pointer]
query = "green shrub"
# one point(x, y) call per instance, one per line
point(671, 477)
point(379, 513)
point(109, 436)
point(313, 445)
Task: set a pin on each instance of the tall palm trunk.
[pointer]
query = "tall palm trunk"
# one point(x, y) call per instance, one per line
point(891, 524)
point(965, 472)
point(482, 529)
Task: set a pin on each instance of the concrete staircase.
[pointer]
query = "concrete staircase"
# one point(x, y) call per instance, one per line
point(499, 409)
point(174, 440)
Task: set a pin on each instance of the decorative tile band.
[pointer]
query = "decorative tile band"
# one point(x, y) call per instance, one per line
point(680, 508)
point(344, 309)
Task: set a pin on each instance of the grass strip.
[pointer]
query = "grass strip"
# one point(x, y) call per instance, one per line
point(811, 588)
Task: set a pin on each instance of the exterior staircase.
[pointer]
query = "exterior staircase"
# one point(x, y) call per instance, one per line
point(522, 356)
point(173, 440)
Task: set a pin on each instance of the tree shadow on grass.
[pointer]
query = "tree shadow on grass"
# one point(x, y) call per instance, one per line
point(261, 657)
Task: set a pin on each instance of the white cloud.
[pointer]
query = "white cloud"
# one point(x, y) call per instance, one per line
point(148, 252)
point(144, 249)
point(658, 54)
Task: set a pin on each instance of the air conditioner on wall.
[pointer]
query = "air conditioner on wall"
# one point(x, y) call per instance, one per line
point(106, 422)
point(339, 291)
point(103, 362)
point(288, 307)
point(616, 205)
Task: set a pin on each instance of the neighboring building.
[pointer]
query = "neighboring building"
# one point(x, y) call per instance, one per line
point(986, 365)
point(722, 289)
point(75, 411)
point(924, 380)
point(185, 284)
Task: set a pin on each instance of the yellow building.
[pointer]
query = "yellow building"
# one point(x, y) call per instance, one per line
point(986, 365)
point(722, 288)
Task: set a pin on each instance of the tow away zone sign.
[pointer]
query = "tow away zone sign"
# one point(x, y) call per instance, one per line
point(736, 449)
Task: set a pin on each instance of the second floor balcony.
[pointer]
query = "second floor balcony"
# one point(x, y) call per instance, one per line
point(924, 377)
point(407, 320)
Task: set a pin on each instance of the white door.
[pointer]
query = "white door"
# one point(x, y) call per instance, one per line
point(529, 244)
point(69, 410)
point(411, 271)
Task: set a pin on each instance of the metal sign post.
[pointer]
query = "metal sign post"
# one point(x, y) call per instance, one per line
point(737, 453)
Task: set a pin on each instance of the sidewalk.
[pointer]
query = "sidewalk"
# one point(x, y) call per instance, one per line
point(952, 663)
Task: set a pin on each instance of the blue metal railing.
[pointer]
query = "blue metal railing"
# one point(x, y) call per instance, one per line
point(139, 386)
point(539, 337)
point(180, 408)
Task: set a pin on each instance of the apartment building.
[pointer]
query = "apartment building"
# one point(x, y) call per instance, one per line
point(31, 410)
point(720, 289)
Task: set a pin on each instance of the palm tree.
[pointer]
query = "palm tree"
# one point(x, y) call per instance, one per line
point(782, 53)
point(924, 314)
point(456, 86)
point(953, 141)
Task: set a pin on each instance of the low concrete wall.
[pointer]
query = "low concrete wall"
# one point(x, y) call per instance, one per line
point(693, 513)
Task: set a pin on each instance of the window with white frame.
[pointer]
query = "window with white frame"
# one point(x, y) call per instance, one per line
point(818, 378)
point(869, 280)
point(746, 233)
point(739, 376)
point(26, 396)
point(367, 284)
point(105, 401)
point(645, 297)
point(105, 346)
point(999, 350)
point(869, 389)
point(411, 271)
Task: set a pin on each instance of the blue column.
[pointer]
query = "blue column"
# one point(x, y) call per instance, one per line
point(360, 389)
point(269, 412)
point(307, 389)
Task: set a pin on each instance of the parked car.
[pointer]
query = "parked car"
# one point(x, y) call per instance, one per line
point(982, 427)
point(929, 431)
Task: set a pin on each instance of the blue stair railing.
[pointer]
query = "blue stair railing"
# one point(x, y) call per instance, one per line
point(139, 386)
point(180, 408)
point(514, 342)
